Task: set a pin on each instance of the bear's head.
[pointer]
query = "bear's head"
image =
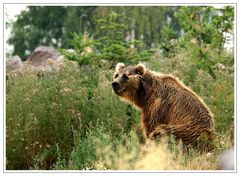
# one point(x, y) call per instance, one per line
point(126, 80)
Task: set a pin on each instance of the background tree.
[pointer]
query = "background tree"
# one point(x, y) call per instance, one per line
point(78, 20)
point(39, 25)
point(54, 26)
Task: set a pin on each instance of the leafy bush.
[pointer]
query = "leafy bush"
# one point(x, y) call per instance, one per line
point(82, 49)
point(169, 43)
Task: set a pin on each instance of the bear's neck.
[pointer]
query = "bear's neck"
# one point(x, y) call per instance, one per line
point(140, 94)
point(144, 90)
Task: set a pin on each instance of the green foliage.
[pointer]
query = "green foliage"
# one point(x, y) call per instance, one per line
point(99, 149)
point(48, 25)
point(224, 24)
point(112, 47)
point(37, 26)
point(82, 50)
point(205, 29)
point(168, 44)
point(54, 26)
point(206, 24)
point(111, 28)
point(142, 22)
point(84, 155)
point(79, 20)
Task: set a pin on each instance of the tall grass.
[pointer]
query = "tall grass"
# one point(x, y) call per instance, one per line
point(70, 119)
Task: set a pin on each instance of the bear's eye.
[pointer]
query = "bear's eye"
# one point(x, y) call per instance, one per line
point(116, 76)
point(125, 76)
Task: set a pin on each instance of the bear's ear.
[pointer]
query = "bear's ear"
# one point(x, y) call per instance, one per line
point(119, 66)
point(140, 69)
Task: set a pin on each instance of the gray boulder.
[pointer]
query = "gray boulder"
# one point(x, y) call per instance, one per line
point(226, 160)
point(42, 55)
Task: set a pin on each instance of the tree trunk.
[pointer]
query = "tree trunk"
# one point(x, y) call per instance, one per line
point(133, 24)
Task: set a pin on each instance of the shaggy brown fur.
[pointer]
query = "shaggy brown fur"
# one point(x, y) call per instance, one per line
point(168, 106)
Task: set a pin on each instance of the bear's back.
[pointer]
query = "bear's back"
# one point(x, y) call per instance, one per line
point(175, 104)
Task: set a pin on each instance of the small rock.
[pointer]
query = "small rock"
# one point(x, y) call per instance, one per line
point(226, 160)
point(15, 63)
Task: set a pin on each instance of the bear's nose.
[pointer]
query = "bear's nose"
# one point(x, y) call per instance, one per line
point(115, 86)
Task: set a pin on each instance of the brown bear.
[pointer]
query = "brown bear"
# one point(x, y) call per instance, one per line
point(167, 105)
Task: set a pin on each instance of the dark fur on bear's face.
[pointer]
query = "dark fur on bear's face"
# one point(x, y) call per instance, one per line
point(127, 82)
point(167, 105)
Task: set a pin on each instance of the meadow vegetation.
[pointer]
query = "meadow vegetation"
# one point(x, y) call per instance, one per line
point(69, 118)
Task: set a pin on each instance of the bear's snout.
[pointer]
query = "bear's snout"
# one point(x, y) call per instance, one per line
point(115, 86)
point(118, 88)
